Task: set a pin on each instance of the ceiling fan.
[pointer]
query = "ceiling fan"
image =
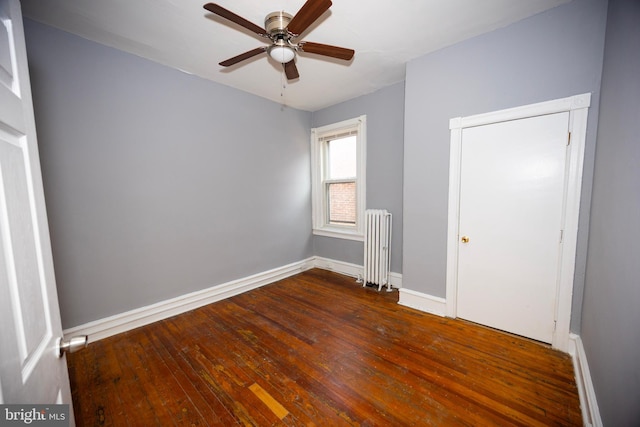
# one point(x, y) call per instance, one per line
point(282, 29)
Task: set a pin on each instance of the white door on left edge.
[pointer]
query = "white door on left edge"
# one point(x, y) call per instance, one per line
point(30, 371)
point(512, 185)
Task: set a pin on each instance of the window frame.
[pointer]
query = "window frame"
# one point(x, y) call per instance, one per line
point(320, 214)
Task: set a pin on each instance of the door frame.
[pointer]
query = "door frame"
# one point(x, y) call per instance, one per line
point(577, 106)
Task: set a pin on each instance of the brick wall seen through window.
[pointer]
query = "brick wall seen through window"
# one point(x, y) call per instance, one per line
point(342, 203)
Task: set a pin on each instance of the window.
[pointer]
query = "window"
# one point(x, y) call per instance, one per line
point(338, 178)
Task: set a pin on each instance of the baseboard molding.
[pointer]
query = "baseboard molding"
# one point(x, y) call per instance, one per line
point(353, 270)
point(346, 268)
point(422, 302)
point(129, 320)
point(588, 403)
point(132, 319)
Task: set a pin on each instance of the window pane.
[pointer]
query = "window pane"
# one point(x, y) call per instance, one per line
point(342, 203)
point(341, 158)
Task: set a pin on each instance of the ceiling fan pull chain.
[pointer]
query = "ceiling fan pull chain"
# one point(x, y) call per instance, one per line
point(283, 85)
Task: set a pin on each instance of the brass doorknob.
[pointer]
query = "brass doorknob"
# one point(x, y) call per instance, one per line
point(464, 239)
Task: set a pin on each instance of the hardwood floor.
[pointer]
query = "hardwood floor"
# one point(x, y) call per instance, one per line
point(318, 349)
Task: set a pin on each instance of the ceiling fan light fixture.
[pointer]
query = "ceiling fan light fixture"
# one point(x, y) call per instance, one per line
point(282, 54)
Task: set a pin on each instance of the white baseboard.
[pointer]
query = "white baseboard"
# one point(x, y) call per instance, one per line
point(588, 403)
point(422, 302)
point(346, 268)
point(132, 319)
point(129, 320)
point(353, 270)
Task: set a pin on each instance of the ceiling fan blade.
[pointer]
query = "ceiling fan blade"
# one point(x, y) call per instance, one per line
point(227, 14)
point(327, 50)
point(243, 56)
point(291, 70)
point(307, 15)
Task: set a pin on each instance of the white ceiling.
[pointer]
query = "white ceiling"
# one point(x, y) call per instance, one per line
point(385, 35)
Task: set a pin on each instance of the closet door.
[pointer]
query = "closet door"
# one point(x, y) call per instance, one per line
point(512, 185)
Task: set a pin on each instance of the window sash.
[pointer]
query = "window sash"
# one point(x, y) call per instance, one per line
point(326, 155)
point(345, 212)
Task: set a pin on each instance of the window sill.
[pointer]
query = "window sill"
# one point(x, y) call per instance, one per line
point(339, 234)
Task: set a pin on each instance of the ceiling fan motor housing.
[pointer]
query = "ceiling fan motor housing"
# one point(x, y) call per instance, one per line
point(276, 23)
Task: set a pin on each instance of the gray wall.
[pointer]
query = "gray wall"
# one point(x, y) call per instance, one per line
point(555, 54)
point(159, 183)
point(610, 315)
point(385, 137)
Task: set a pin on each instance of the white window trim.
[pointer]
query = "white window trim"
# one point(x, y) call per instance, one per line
point(320, 227)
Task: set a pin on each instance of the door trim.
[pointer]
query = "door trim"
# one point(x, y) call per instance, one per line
point(577, 106)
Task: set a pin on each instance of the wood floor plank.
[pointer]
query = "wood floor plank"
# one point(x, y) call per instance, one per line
point(268, 400)
point(103, 372)
point(249, 362)
point(177, 404)
point(217, 412)
point(202, 412)
point(319, 349)
point(334, 362)
point(314, 375)
point(130, 386)
point(379, 381)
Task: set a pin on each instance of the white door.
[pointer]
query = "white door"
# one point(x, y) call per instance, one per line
point(30, 371)
point(512, 181)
